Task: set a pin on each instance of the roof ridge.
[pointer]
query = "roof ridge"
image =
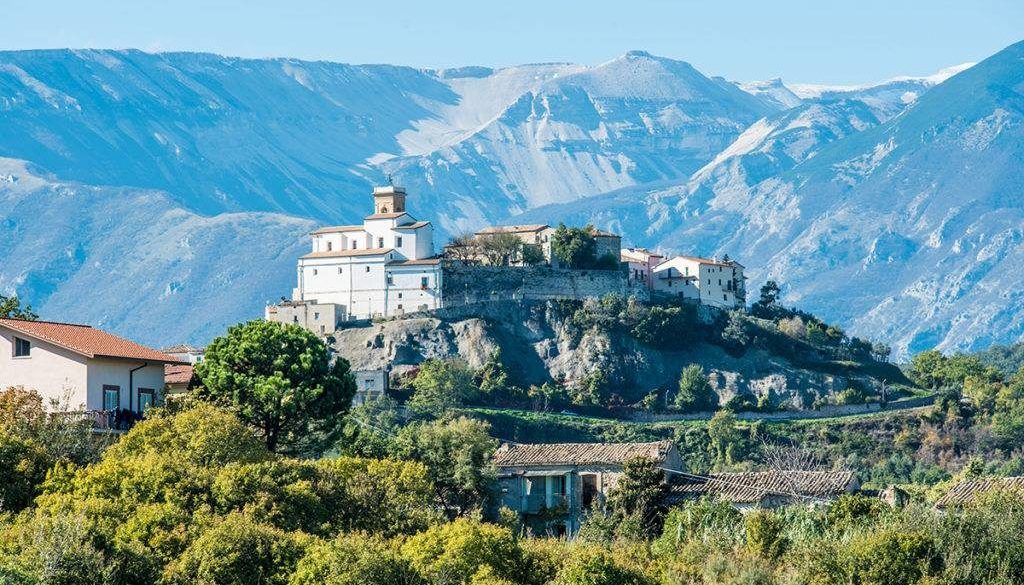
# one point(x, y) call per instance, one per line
point(47, 322)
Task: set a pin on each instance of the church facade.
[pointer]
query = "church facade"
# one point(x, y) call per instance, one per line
point(384, 267)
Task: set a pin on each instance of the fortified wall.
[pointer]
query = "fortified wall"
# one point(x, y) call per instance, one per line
point(476, 284)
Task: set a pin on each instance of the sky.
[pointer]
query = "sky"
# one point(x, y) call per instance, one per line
point(822, 41)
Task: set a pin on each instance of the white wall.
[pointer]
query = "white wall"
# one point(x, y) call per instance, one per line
point(50, 370)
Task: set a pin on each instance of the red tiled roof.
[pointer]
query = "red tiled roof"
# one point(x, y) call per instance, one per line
point(85, 340)
point(420, 262)
point(750, 487)
point(178, 373)
point(512, 455)
point(348, 253)
point(966, 491)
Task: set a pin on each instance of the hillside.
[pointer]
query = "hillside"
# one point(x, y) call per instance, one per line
point(627, 351)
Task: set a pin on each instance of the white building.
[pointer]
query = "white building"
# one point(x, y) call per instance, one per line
point(93, 370)
point(384, 267)
point(370, 385)
point(185, 353)
point(640, 264)
point(719, 283)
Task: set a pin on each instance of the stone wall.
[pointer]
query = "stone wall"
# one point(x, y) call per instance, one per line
point(464, 285)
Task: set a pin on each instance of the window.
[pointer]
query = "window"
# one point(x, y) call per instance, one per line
point(424, 281)
point(725, 298)
point(147, 399)
point(330, 246)
point(314, 272)
point(399, 295)
point(111, 397)
point(316, 316)
point(398, 241)
point(355, 245)
point(339, 270)
point(22, 347)
point(367, 268)
point(399, 306)
point(391, 280)
point(380, 242)
point(295, 318)
point(322, 329)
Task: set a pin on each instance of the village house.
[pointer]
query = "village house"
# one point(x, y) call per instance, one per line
point(552, 486)
point(385, 266)
point(718, 283)
point(640, 264)
point(968, 491)
point(370, 385)
point(185, 353)
point(764, 489)
point(606, 244)
point(537, 234)
point(81, 368)
point(179, 379)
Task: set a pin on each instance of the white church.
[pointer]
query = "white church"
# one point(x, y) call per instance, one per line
point(384, 267)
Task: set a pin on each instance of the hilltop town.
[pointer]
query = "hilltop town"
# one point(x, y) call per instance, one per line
point(388, 267)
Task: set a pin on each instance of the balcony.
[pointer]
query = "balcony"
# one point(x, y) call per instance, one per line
point(536, 503)
point(104, 420)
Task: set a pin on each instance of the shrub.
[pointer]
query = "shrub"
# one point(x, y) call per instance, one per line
point(354, 559)
point(239, 551)
point(695, 392)
point(455, 552)
point(589, 565)
point(764, 531)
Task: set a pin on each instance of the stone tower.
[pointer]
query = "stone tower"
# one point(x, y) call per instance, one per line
point(388, 199)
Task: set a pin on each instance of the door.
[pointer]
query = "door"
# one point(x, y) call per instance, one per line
point(589, 489)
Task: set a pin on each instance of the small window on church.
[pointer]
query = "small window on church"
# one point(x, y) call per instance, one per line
point(380, 242)
point(314, 272)
point(355, 245)
point(367, 268)
point(398, 241)
point(384, 209)
point(330, 246)
point(339, 270)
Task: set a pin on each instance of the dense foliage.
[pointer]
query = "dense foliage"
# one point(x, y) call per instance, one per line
point(280, 380)
point(12, 308)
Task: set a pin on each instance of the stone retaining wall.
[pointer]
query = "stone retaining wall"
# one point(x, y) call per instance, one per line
point(465, 285)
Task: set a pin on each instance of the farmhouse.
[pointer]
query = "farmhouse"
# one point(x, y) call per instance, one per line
point(552, 485)
point(93, 370)
point(968, 491)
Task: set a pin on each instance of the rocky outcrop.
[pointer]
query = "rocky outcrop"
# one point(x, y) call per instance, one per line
point(538, 343)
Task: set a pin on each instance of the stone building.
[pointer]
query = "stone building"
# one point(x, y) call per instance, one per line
point(552, 486)
point(968, 491)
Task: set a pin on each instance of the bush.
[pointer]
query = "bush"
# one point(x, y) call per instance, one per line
point(441, 386)
point(354, 559)
point(695, 393)
point(239, 551)
point(892, 557)
point(589, 565)
point(764, 531)
point(455, 552)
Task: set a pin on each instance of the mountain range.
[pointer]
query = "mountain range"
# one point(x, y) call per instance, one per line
point(164, 196)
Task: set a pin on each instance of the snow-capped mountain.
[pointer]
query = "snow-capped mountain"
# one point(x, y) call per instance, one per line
point(166, 195)
point(905, 230)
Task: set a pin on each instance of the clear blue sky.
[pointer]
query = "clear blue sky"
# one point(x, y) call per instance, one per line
point(852, 41)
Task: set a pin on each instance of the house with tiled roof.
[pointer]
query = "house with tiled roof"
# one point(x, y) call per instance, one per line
point(764, 489)
point(384, 267)
point(968, 491)
point(708, 281)
point(94, 370)
point(552, 485)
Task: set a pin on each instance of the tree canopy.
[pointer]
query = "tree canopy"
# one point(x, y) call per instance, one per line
point(279, 380)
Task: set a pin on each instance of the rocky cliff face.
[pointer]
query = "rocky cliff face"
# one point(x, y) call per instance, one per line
point(539, 344)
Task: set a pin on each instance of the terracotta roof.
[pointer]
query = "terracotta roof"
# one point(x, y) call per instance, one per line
point(512, 455)
point(966, 491)
point(639, 254)
point(85, 340)
point(348, 253)
point(420, 262)
point(333, 229)
point(178, 373)
point(753, 486)
point(392, 215)
point(512, 229)
point(412, 226)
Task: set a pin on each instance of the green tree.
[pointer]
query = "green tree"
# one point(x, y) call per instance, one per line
point(279, 380)
point(239, 551)
point(639, 496)
point(695, 393)
point(735, 336)
point(457, 454)
point(767, 305)
point(574, 247)
point(725, 438)
point(11, 308)
point(441, 386)
point(355, 559)
point(765, 533)
point(456, 551)
point(370, 429)
point(892, 557)
point(492, 377)
point(533, 255)
point(926, 368)
point(593, 565)
point(23, 467)
point(591, 390)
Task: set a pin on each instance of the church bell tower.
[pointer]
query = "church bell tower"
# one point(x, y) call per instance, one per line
point(388, 199)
